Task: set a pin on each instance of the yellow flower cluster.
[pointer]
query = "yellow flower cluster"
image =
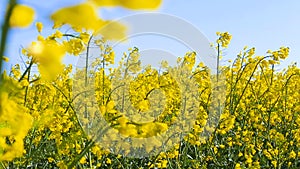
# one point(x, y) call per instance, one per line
point(282, 53)
point(133, 4)
point(254, 130)
point(224, 39)
point(27, 18)
point(41, 126)
point(14, 125)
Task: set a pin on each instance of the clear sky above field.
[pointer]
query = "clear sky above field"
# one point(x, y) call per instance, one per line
point(256, 23)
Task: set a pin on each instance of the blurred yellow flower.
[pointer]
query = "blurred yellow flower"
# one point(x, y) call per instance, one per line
point(130, 4)
point(14, 125)
point(82, 16)
point(6, 59)
point(39, 26)
point(112, 30)
point(48, 54)
point(22, 16)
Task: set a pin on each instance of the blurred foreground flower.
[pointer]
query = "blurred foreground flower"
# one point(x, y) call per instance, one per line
point(14, 125)
point(130, 4)
point(48, 55)
point(22, 16)
point(84, 17)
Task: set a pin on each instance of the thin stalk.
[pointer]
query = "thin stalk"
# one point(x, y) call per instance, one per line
point(27, 87)
point(86, 83)
point(26, 71)
point(5, 31)
point(103, 81)
point(218, 62)
point(2, 165)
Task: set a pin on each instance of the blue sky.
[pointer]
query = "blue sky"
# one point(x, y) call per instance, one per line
point(256, 23)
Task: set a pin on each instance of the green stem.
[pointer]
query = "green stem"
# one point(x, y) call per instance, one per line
point(27, 71)
point(3, 165)
point(5, 31)
point(218, 62)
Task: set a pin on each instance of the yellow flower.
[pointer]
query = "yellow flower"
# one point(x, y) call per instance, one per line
point(82, 16)
point(238, 166)
point(40, 38)
point(6, 59)
point(163, 164)
point(274, 163)
point(110, 106)
point(108, 161)
point(292, 154)
point(224, 39)
point(48, 54)
point(85, 37)
point(144, 105)
point(267, 154)
point(14, 126)
point(22, 16)
point(222, 146)
point(57, 34)
point(122, 121)
point(39, 26)
point(112, 30)
point(50, 159)
point(82, 160)
point(130, 4)
point(74, 46)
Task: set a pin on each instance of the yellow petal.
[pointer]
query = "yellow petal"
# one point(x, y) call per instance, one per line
point(140, 4)
point(82, 16)
point(106, 2)
point(48, 55)
point(130, 4)
point(6, 59)
point(39, 26)
point(113, 31)
point(22, 16)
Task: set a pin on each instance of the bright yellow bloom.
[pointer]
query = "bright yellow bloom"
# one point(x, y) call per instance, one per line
point(85, 37)
point(82, 160)
point(14, 125)
point(292, 154)
point(48, 54)
point(22, 16)
point(57, 34)
point(111, 30)
point(40, 38)
point(74, 46)
point(6, 59)
point(108, 161)
point(50, 159)
point(39, 26)
point(82, 16)
point(282, 53)
point(238, 166)
point(130, 4)
point(224, 39)
point(274, 163)
point(144, 105)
